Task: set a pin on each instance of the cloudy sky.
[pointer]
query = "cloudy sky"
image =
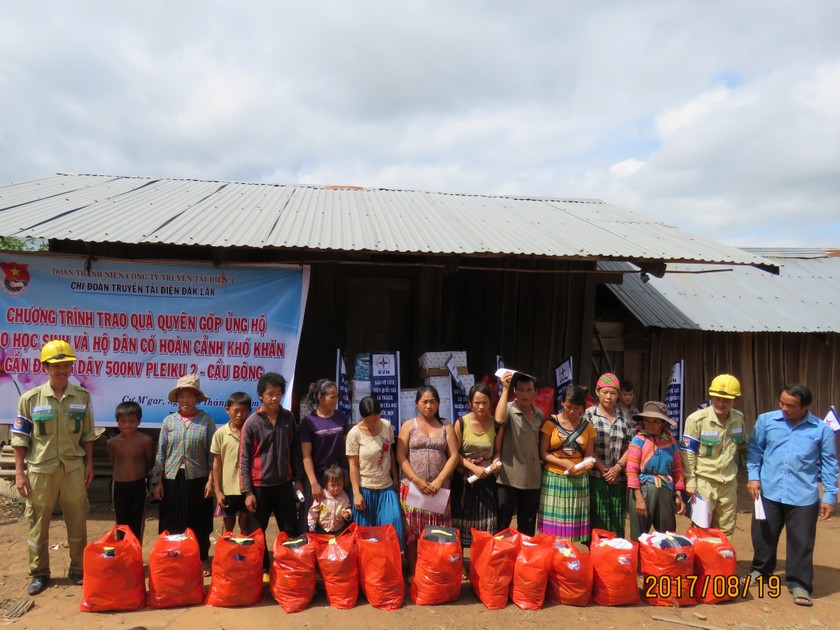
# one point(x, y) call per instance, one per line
point(722, 118)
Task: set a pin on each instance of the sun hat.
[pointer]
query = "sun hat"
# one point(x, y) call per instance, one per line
point(190, 381)
point(655, 409)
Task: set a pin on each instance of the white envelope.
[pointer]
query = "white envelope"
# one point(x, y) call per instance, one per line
point(433, 503)
point(759, 510)
point(700, 512)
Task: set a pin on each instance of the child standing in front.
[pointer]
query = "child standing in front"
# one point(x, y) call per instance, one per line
point(132, 457)
point(225, 451)
point(331, 514)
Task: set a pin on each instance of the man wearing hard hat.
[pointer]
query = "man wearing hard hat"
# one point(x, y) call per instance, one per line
point(53, 435)
point(711, 440)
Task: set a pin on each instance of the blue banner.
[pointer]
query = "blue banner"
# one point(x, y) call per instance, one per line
point(137, 327)
point(343, 384)
point(385, 384)
point(675, 395)
point(563, 376)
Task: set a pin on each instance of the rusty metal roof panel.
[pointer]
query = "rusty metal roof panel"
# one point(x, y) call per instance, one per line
point(98, 208)
point(803, 298)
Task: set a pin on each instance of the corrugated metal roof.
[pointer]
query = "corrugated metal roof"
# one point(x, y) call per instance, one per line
point(99, 208)
point(804, 297)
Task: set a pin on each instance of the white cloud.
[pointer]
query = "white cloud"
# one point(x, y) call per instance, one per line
point(720, 118)
point(692, 113)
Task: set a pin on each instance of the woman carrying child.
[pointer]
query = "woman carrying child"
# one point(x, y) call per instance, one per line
point(427, 452)
point(321, 433)
point(567, 446)
point(654, 473)
point(373, 469)
point(475, 505)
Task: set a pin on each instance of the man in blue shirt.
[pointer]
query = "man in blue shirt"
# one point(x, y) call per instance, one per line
point(786, 451)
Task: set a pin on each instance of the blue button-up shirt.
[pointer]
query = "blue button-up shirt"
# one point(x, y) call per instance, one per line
point(787, 458)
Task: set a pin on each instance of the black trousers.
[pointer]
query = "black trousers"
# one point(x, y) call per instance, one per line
point(279, 501)
point(524, 503)
point(184, 506)
point(800, 523)
point(130, 505)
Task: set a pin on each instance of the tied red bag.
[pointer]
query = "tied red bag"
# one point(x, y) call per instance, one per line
point(715, 565)
point(338, 561)
point(667, 562)
point(530, 572)
point(492, 558)
point(114, 576)
point(292, 579)
point(570, 578)
point(437, 576)
point(380, 566)
point(614, 562)
point(237, 570)
point(175, 574)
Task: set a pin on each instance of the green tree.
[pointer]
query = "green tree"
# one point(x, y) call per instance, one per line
point(24, 244)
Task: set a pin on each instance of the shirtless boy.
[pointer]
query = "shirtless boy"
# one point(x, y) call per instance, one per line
point(132, 456)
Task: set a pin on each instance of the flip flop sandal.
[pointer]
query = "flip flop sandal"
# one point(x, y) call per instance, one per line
point(801, 597)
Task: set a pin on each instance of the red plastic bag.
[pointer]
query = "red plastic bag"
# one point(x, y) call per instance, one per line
point(613, 570)
point(114, 576)
point(380, 566)
point(175, 574)
point(570, 578)
point(339, 564)
point(715, 565)
point(293, 570)
point(530, 572)
point(665, 573)
point(544, 401)
point(237, 570)
point(437, 576)
point(492, 558)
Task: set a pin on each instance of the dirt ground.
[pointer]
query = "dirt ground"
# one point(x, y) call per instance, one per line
point(58, 606)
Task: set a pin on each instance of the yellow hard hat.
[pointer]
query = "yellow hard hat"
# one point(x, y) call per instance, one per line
point(725, 386)
point(57, 351)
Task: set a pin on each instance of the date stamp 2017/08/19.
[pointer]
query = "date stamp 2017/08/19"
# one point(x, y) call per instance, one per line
point(718, 586)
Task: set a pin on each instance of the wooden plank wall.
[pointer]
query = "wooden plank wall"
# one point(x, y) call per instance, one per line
point(533, 320)
point(763, 362)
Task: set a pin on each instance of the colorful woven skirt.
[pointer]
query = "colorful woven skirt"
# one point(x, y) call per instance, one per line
point(607, 505)
point(564, 506)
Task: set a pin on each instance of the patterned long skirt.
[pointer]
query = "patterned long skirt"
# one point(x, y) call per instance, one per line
point(607, 505)
point(416, 520)
point(564, 506)
point(474, 506)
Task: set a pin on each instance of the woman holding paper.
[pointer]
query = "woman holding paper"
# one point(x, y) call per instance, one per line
point(427, 452)
point(475, 503)
point(654, 473)
point(567, 446)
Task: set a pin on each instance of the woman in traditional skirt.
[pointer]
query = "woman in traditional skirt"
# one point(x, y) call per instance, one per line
point(475, 505)
point(427, 452)
point(607, 483)
point(566, 441)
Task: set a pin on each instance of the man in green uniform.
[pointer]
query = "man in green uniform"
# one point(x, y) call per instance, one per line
point(53, 436)
point(711, 440)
